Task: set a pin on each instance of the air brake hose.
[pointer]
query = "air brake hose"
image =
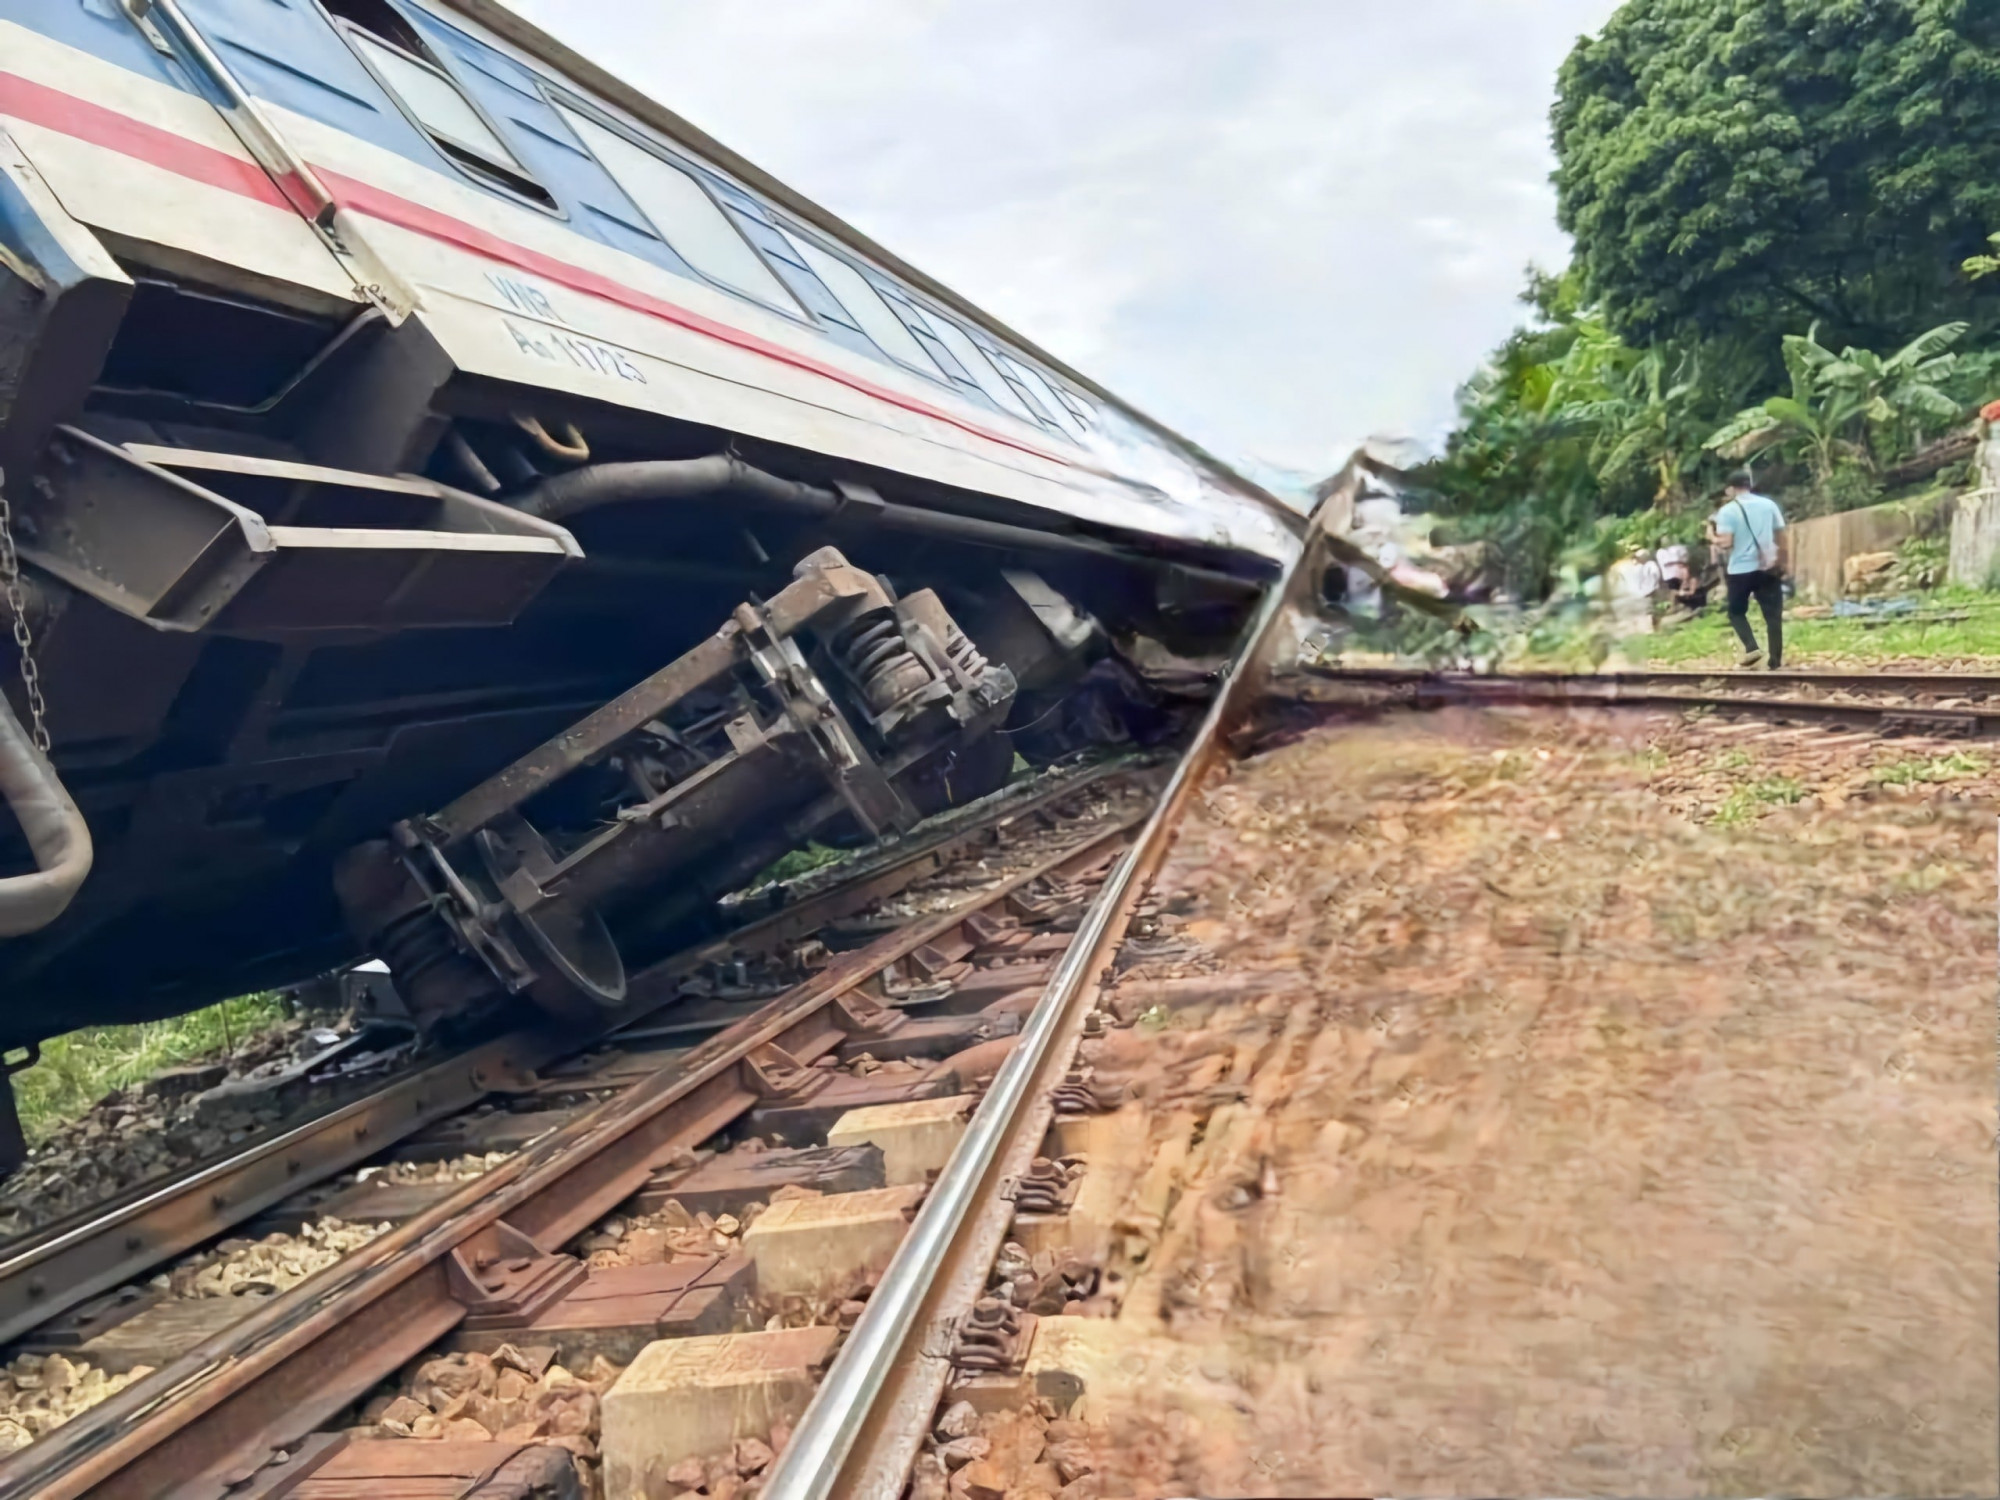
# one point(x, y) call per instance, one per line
point(55, 829)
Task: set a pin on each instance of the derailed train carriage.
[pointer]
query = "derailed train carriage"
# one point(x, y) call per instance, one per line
point(469, 516)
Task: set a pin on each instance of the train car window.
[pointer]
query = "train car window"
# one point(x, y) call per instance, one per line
point(970, 355)
point(1011, 373)
point(405, 65)
point(1082, 410)
point(912, 319)
point(686, 217)
point(877, 319)
point(1045, 396)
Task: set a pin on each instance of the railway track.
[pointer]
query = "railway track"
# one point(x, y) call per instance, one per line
point(1943, 704)
point(1149, 1226)
point(1012, 1296)
point(77, 1278)
point(64, 1265)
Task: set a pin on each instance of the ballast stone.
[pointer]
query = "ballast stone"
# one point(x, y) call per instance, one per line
point(916, 1139)
point(688, 1398)
point(815, 1246)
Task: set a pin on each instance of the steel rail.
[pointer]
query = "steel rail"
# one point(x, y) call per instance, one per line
point(1950, 684)
point(309, 1352)
point(60, 1265)
point(860, 1433)
point(1961, 718)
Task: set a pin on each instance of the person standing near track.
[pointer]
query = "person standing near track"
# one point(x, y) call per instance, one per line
point(1749, 532)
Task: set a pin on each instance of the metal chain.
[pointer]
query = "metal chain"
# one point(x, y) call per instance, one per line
point(24, 637)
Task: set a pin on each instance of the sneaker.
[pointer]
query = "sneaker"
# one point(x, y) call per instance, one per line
point(1751, 658)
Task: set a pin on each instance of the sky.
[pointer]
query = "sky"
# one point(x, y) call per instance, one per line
point(1278, 226)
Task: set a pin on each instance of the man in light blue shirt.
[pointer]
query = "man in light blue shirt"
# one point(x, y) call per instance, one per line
point(1749, 529)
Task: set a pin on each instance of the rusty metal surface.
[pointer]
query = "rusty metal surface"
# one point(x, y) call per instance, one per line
point(860, 1435)
point(67, 1263)
point(1951, 684)
point(1904, 703)
point(822, 584)
point(299, 1359)
point(570, 749)
point(128, 527)
point(60, 1266)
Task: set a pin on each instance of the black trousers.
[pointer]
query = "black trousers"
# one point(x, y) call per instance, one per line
point(1768, 589)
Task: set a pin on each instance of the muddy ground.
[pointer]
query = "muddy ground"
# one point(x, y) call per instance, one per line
point(1555, 1116)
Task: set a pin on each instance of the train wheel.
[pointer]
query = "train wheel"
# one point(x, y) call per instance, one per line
point(587, 970)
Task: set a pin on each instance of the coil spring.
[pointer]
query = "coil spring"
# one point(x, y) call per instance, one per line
point(964, 655)
point(873, 642)
point(874, 654)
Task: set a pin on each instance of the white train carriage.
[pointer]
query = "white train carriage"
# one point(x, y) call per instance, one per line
point(383, 387)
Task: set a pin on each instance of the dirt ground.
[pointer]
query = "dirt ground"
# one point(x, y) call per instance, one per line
point(1554, 1117)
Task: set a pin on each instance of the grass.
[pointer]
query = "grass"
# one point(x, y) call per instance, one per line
point(1744, 802)
point(1709, 640)
point(1953, 767)
point(791, 866)
point(79, 1069)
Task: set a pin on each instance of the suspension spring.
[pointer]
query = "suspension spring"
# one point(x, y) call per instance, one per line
point(885, 669)
point(964, 655)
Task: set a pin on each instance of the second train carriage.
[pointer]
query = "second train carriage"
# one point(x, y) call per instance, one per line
point(384, 392)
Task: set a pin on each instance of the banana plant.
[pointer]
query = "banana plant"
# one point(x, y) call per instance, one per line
point(1984, 265)
point(1838, 401)
point(1641, 422)
point(1907, 388)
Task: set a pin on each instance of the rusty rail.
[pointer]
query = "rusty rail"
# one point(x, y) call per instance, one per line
point(55, 1268)
point(1889, 703)
point(220, 1410)
point(862, 1431)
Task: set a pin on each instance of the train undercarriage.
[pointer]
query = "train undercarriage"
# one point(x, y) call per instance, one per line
point(331, 688)
point(398, 571)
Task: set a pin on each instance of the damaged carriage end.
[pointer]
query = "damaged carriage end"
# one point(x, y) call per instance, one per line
point(826, 701)
point(61, 300)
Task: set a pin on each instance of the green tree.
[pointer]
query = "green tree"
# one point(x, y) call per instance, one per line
point(1734, 169)
point(1566, 427)
point(1815, 421)
point(1906, 397)
point(1517, 471)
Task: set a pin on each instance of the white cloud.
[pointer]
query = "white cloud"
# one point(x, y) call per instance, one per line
point(1277, 225)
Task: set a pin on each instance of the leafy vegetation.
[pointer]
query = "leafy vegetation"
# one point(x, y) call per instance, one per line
point(77, 1070)
point(1957, 766)
point(1752, 185)
point(799, 862)
point(1980, 266)
point(1738, 169)
point(1743, 802)
point(1853, 409)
